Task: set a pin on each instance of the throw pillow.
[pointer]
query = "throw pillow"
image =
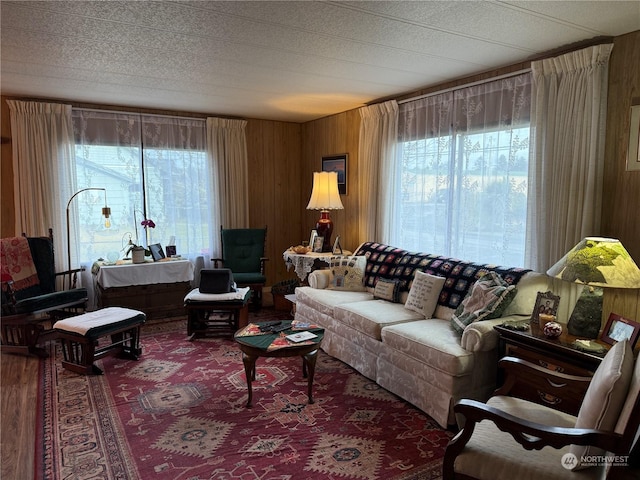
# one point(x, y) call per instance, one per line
point(488, 298)
point(387, 289)
point(347, 273)
point(424, 293)
point(605, 396)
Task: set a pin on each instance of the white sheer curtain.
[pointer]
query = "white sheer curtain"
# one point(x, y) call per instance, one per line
point(378, 182)
point(153, 167)
point(569, 105)
point(463, 171)
point(42, 138)
point(227, 146)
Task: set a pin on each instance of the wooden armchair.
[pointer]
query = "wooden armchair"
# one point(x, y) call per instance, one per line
point(243, 253)
point(29, 294)
point(512, 438)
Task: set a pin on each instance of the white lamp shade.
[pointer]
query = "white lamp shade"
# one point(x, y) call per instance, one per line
point(598, 262)
point(325, 195)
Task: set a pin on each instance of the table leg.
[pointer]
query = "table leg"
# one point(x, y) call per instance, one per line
point(250, 372)
point(309, 367)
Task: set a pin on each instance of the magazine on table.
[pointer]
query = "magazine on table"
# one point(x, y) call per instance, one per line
point(283, 342)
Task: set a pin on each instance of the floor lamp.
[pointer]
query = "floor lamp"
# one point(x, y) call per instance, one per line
point(106, 212)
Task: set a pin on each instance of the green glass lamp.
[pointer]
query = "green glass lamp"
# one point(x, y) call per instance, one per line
point(597, 263)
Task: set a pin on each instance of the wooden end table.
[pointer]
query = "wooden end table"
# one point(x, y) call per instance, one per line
point(256, 346)
point(555, 354)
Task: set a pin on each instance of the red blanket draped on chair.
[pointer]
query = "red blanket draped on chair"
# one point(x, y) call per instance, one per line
point(16, 262)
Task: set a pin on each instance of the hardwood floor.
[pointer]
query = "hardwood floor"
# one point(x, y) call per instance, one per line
point(18, 397)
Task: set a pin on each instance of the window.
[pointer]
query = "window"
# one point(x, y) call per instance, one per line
point(463, 163)
point(152, 167)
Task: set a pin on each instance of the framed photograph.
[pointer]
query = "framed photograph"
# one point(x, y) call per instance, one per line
point(633, 152)
point(156, 252)
point(337, 248)
point(312, 239)
point(317, 244)
point(619, 328)
point(337, 163)
point(546, 304)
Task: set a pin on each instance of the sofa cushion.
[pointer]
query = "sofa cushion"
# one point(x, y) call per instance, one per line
point(424, 293)
point(370, 317)
point(347, 273)
point(387, 289)
point(487, 299)
point(605, 396)
point(325, 300)
point(431, 342)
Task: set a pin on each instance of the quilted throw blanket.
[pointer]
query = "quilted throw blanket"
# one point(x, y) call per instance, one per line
point(16, 262)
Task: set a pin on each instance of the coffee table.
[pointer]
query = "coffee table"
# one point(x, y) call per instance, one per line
point(255, 346)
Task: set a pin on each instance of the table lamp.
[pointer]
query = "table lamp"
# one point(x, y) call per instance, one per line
point(597, 263)
point(325, 197)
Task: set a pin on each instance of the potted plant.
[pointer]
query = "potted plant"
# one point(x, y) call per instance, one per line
point(139, 252)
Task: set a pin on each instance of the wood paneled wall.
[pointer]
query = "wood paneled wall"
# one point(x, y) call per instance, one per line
point(621, 203)
point(332, 135)
point(274, 158)
point(7, 210)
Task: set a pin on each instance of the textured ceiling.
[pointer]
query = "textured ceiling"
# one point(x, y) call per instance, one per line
point(292, 61)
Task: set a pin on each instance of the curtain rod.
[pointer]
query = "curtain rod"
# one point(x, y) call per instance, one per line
point(466, 85)
point(126, 112)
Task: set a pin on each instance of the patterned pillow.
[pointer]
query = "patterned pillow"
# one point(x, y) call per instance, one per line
point(387, 289)
point(347, 273)
point(424, 293)
point(488, 298)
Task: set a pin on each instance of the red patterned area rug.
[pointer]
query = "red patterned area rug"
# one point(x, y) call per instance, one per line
point(179, 413)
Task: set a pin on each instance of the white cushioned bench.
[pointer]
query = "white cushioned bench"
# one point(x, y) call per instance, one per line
point(81, 336)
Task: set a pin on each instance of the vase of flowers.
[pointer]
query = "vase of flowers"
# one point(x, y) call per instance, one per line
point(137, 251)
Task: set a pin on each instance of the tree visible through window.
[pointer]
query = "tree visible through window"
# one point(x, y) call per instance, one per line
point(463, 160)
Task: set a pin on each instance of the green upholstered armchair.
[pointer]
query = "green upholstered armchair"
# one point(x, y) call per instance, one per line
point(29, 293)
point(243, 253)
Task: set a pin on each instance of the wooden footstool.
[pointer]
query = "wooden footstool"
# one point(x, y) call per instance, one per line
point(81, 336)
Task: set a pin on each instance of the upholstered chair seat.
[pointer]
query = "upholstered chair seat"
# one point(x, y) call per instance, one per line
point(510, 438)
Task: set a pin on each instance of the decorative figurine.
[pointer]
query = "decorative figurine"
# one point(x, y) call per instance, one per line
point(552, 329)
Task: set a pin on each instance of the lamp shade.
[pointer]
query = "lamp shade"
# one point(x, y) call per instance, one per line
point(598, 262)
point(325, 195)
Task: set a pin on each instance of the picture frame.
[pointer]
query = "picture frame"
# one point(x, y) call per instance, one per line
point(547, 304)
point(318, 242)
point(156, 252)
point(338, 164)
point(337, 248)
point(633, 151)
point(312, 239)
point(618, 328)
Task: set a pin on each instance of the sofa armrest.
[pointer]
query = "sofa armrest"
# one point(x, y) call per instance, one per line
point(481, 336)
point(319, 279)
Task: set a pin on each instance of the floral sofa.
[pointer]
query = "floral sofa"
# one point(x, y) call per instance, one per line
point(423, 345)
